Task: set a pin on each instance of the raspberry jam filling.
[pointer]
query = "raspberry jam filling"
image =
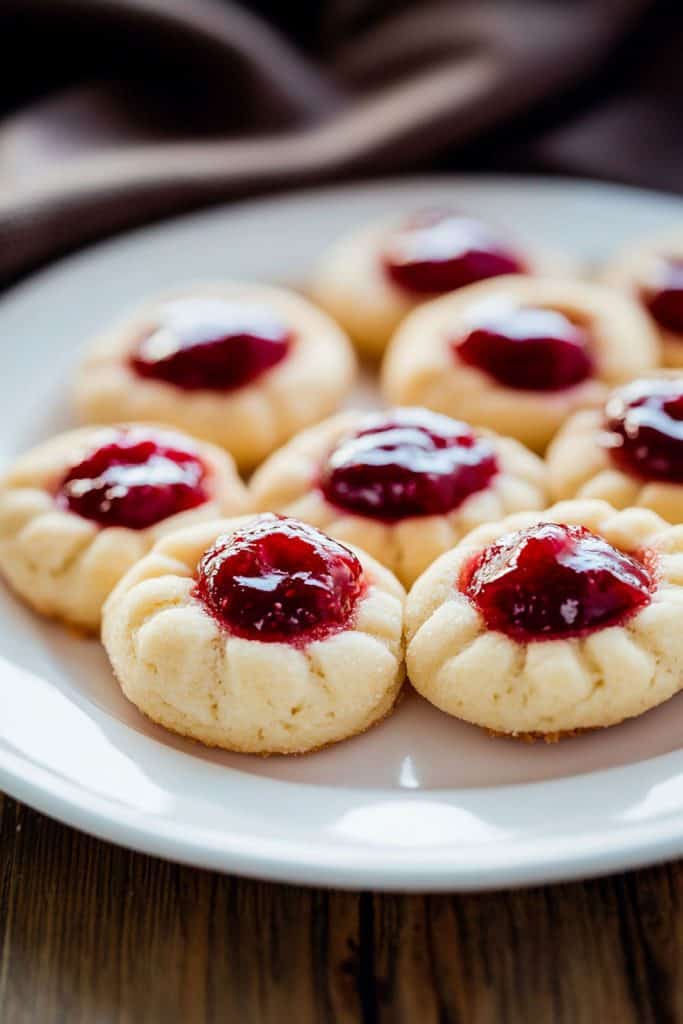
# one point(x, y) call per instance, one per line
point(551, 582)
point(280, 581)
point(409, 462)
point(644, 422)
point(664, 295)
point(439, 251)
point(136, 480)
point(211, 344)
point(528, 349)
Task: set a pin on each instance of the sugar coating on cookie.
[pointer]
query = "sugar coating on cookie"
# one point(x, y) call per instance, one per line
point(547, 623)
point(227, 362)
point(650, 271)
point(404, 484)
point(370, 279)
point(79, 510)
point(519, 354)
point(630, 452)
point(258, 634)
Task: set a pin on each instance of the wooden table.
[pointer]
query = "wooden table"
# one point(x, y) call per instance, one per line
point(91, 933)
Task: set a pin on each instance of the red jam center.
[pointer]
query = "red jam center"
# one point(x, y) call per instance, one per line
point(439, 251)
point(528, 349)
point(135, 481)
point(664, 296)
point(408, 463)
point(211, 344)
point(644, 424)
point(280, 581)
point(551, 582)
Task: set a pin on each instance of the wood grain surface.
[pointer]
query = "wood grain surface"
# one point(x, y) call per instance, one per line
point(91, 933)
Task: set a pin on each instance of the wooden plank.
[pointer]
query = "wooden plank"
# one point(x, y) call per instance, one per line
point(91, 933)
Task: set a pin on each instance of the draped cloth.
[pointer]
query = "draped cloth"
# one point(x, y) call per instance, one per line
point(114, 113)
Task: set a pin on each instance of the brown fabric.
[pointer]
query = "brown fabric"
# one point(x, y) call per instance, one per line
point(116, 112)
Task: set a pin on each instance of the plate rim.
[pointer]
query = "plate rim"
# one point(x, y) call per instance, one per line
point(291, 860)
point(295, 862)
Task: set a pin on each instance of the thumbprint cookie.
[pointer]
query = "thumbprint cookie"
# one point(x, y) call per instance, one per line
point(80, 509)
point(629, 452)
point(544, 624)
point(404, 484)
point(519, 354)
point(244, 366)
point(258, 634)
point(374, 276)
point(651, 272)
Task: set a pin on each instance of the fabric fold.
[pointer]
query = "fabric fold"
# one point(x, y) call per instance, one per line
point(119, 112)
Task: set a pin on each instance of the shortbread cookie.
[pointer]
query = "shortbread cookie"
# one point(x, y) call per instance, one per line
point(548, 623)
point(77, 511)
point(258, 634)
point(519, 354)
point(651, 272)
point(630, 452)
point(370, 279)
point(242, 365)
point(404, 485)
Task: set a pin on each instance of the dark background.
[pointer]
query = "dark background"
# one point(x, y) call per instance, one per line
point(621, 121)
point(117, 112)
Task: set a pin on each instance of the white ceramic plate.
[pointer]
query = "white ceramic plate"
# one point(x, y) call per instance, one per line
point(420, 802)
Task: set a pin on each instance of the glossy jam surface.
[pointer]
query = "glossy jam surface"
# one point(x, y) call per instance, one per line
point(409, 462)
point(280, 581)
point(528, 349)
point(135, 480)
point(551, 582)
point(644, 434)
point(211, 344)
point(438, 251)
point(664, 295)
